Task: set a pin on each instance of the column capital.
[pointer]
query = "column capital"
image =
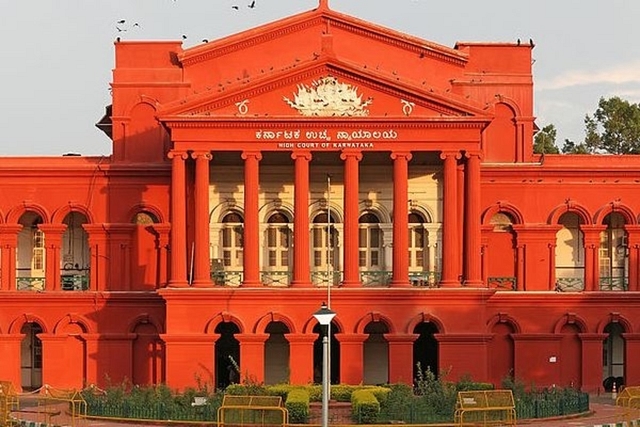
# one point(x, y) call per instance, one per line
point(252, 154)
point(401, 154)
point(201, 155)
point(301, 154)
point(444, 154)
point(473, 153)
point(348, 153)
point(175, 154)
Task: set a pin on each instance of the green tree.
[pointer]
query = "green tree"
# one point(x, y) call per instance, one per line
point(571, 147)
point(614, 127)
point(545, 140)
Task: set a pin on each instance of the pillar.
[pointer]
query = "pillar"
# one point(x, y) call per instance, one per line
point(552, 267)
point(53, 243)
point(400, 219)
point(9, 241)
point(401, 357)
point(351, 357)
point(178, 277)
point(472, 235)
point(10, 348)
point(631, 351)
point(591, 259)
point(633, 261)
point(251, 219)
point(592, 361)
point(450, 221)
point(162, 231)
point(202, 269)
point(351, 214)
point(520, 267)
point(301, 357)
point(98, 275)
point(301, 271)
point(119, 247)
point(252, 356)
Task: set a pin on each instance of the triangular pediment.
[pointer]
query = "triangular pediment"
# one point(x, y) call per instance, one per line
point(323, 88)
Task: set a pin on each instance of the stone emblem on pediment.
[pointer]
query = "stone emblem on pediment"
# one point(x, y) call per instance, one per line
point(328, 97)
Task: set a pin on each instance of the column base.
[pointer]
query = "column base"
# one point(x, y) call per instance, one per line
point(474, 284)
point(178, 284)
point(449, 284)
point(202, 283)
point(351, 284)
point(301, 284)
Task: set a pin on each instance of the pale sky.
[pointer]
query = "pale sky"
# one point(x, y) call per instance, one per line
point(57, 56)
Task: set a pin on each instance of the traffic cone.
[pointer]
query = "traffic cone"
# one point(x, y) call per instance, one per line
point(614, 392)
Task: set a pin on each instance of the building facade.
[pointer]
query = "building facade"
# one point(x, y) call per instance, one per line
point(319, 158)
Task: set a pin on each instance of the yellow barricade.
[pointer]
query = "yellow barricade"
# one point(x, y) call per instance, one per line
point(485, 408)
point(628, 404)
point(238, 411)
point(9, 402)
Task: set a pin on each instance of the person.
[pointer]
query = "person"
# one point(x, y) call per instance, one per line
point(233, 374)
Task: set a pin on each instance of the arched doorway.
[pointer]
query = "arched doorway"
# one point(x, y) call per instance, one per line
point(276, 354)
point(570, 253)
point(227, 354)
point(31, 254)
point(334, 355)
point(75, 257)
point(145, 275)
point(501, 265)
point(425, 349)
point(278, 243)
point(613, 254)
point(31, 357)
point(376, 354)
point(325, 254)
point(613, 360)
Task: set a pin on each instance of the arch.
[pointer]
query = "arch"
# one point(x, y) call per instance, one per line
point(425, 318)
point(148, 208)
point(502, 207)
point(507, 102)
point(424, 211)
point(144, 99)
point(16, 213)
point(320, 206)
point(75, 319)
point(571, 319)
point(373, 316)
point(616, 206)
point(503, 318)
point(61, 213)
point(273, 316)
point(222, 209)
point(615, 318)
point(223, 317)
point(376, 208)
point(311, 322)
point(16, 324)
point(272, 207)
point(569, 206)
point(145, 318)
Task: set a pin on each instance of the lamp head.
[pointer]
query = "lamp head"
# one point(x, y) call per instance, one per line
point(324, 316)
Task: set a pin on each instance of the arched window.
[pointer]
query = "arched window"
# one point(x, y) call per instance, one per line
point(417, 242)
point(232, 241)
point(325, 250)
point(370, 242)
point(278, 242)
point(613, 254)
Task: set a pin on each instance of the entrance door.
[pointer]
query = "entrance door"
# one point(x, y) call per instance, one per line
point(31, 357)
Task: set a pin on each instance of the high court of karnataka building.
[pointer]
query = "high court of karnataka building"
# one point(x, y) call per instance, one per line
point(319, 158)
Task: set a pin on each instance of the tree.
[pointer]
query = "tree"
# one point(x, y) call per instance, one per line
point(614, 127)
point(571, 147)
point(545, 140)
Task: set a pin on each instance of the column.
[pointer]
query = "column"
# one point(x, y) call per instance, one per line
point(251, 272)
point(9, 241)
point(591, 259)
point(178, 274)
point(633, 261)
point(401, 357)
point(162, 231)
point(10, 348)
point(520, 267)
point(53, 244)
point(400, 219)
point(99, 255)
point(301, 271)
point(631, 350)
point(351, 214)
point(202, 268)
point(301, 357)
point(592, 361)
point(351, 357)
point(252, 356)
point(552, 267)
point(473, 272)
point(119, 246)
point(450, 221)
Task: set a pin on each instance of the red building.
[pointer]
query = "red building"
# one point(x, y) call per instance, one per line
point(319, 158)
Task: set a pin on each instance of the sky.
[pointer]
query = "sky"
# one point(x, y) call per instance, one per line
point(57, 56)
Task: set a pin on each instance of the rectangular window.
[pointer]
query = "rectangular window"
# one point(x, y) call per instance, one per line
point(317, 258)
point(272, 258)
point(362, 238)
point(375, 262)
point(362, 259)
point(285, 258)
point(375, 238)
point(271, 238)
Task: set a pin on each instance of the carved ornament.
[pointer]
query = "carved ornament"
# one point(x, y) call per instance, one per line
point(328, 97)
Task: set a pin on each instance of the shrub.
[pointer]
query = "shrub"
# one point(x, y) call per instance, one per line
point(364, 407)
point(297, 404)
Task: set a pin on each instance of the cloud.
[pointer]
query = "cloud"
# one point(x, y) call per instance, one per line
point(620, 74)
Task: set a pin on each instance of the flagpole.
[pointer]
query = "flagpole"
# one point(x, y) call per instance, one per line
point(329, 282)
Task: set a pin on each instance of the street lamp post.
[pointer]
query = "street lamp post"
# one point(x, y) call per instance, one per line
point(324, 317)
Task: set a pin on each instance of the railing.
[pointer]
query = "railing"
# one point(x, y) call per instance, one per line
point(30, 283)
point(276, 278)
point(375, 278)
point(569, 284)
point(614, 283)
point(74, 282)
point(227, 278)
point(429, 279)
point(326, 278)
point(502, 283)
